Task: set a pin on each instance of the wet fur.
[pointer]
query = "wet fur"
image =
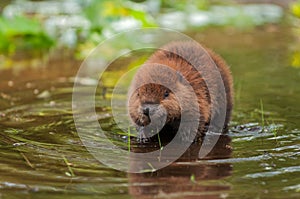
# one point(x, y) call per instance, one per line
point(154, 93)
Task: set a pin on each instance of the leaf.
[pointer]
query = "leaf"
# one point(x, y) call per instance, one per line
point(296, 9)
point(21, 33)
point(143, 17)
point(19, 26)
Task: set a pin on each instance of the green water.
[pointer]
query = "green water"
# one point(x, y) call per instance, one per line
point(42, 155)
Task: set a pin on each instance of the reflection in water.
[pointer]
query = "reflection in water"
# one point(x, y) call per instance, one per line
point(186, 177)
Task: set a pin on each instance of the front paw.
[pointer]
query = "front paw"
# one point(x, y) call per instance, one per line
point(142, 135)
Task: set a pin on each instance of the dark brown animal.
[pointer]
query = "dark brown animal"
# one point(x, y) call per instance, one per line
point(181, 78)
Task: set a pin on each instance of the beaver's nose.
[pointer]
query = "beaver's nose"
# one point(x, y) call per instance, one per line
point(146, 111)
point(149, 109)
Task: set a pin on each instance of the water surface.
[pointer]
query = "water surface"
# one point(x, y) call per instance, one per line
point(42, 155)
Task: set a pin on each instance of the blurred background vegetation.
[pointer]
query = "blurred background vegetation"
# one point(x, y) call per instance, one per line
point(74, 27)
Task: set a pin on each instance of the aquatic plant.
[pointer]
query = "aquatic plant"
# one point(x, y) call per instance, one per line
point(22, 34)
point(81, 25)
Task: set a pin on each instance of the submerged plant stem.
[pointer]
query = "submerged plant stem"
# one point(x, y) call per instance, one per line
point(129, 134)
point(69, 166)
point(262, 114)
point(159, 142)
point(27, 160)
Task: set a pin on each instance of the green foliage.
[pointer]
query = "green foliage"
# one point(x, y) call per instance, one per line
point(143, 17)
point(103, 18)
point(185, 5)
point(103, 13)
point(21, 33)
point(296, 59)
point(295, 8)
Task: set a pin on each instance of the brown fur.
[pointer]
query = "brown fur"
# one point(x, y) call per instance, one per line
point(196, 59)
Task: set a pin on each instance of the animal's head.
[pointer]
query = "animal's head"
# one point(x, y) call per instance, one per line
point(153, 96)
point(160, 95)
point(153, 103)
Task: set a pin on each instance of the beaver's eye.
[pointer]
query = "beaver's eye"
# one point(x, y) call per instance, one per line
point(166, 94)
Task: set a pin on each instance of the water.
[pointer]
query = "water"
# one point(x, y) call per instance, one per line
point(42, 155)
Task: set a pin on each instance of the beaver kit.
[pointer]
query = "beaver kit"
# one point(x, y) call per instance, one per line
point(181, 85)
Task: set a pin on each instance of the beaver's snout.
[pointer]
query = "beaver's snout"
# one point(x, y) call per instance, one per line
point(152, 121)
point(149, 109)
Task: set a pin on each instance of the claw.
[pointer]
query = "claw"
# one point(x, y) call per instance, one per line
point(142, 137)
